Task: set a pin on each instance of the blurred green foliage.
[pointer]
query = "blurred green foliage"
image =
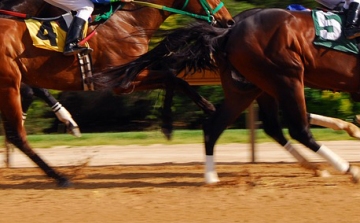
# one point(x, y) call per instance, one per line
point(101, 112)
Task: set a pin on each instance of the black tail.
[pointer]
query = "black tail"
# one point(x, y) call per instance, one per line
point(189, 48)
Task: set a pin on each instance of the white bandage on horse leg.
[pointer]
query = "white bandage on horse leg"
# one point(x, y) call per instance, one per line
point(23, 117)
point(210, 172)
point(324, 121)
point(336, 161)
point(62, 114)
point(336, 124)
point(292, 150)
point(302, 160)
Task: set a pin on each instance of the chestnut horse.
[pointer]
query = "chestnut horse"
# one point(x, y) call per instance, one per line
point(124, 36)
point(267, 55)
point(41, 9)
point(27, 92)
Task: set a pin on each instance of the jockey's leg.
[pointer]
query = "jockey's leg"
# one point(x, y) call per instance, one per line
point(73, 36)
point(352, 29)
point(84, 9)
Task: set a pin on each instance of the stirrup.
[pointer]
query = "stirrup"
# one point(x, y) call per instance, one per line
point(88, 50)
point(76, 50)
point(351, 33)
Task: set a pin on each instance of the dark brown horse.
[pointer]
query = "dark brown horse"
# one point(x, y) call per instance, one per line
point(122, 38)
point(268, 55)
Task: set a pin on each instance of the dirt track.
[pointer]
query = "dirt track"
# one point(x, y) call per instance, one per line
point(175, 192)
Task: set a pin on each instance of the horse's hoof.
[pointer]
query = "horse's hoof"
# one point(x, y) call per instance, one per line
point(73, 130)
point(211, 177)
point(355, 173)
point(64, 182)
point(167, 133)
point(322, 173)
point(357, 118)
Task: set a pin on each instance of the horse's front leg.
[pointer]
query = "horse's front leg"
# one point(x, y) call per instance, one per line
point(234, 104)
point(166, 112)
point(298, 125)
point(60, 111)
point(335, 124)
point(11, 113)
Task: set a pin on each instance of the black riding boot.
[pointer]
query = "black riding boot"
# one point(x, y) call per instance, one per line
point(74, 35)
point(352, 29)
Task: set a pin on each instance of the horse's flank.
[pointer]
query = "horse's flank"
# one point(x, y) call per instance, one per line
point(288, 43)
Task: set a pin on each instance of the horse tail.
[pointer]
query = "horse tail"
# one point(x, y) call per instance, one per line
point(191, 48)
point(187, 48)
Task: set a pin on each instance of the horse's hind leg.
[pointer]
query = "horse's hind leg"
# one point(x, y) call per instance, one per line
point(201, 102)
point(11, 113)
point(296, 117)
point(268, 114)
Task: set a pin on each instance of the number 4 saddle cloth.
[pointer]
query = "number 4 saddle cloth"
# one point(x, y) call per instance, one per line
point(328, 27)
point(50, 34)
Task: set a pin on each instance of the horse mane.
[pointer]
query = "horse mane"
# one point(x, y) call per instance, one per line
point(188, 48)
point(245, 14)
point(30, 7)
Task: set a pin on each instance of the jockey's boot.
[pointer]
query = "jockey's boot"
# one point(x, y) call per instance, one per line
point(352, 29)
point(73, 36)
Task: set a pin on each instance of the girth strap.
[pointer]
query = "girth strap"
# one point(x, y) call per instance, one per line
point(85, 64)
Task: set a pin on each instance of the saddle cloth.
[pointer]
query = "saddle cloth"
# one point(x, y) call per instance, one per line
point(328, 28)
point(50, 34)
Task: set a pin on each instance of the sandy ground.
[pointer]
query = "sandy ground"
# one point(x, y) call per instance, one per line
point(165, 184)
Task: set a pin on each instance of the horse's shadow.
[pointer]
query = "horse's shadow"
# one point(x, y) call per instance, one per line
point(82, 179)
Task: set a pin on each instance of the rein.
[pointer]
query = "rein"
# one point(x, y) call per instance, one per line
point(209, 11)
point(208, 17)
point(15, 14)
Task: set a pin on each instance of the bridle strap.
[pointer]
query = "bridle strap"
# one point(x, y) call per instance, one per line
point(209, 11)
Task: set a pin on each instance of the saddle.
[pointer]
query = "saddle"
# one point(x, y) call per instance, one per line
point(50, 34)
point(329, 32)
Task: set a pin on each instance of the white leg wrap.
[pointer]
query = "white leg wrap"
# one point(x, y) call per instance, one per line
point(23, 118)
point(62, 114)
point(292, 150)
point(336, 124)
point(304, 162)
point(324, 121)
point(210, 172)
point(336, 161)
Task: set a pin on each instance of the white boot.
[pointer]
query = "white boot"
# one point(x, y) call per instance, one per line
point(64, 116)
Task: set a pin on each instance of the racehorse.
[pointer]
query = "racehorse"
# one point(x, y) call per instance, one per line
point(41, 9)
point(267, 55)
point(124, 36)
point(27, 92)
